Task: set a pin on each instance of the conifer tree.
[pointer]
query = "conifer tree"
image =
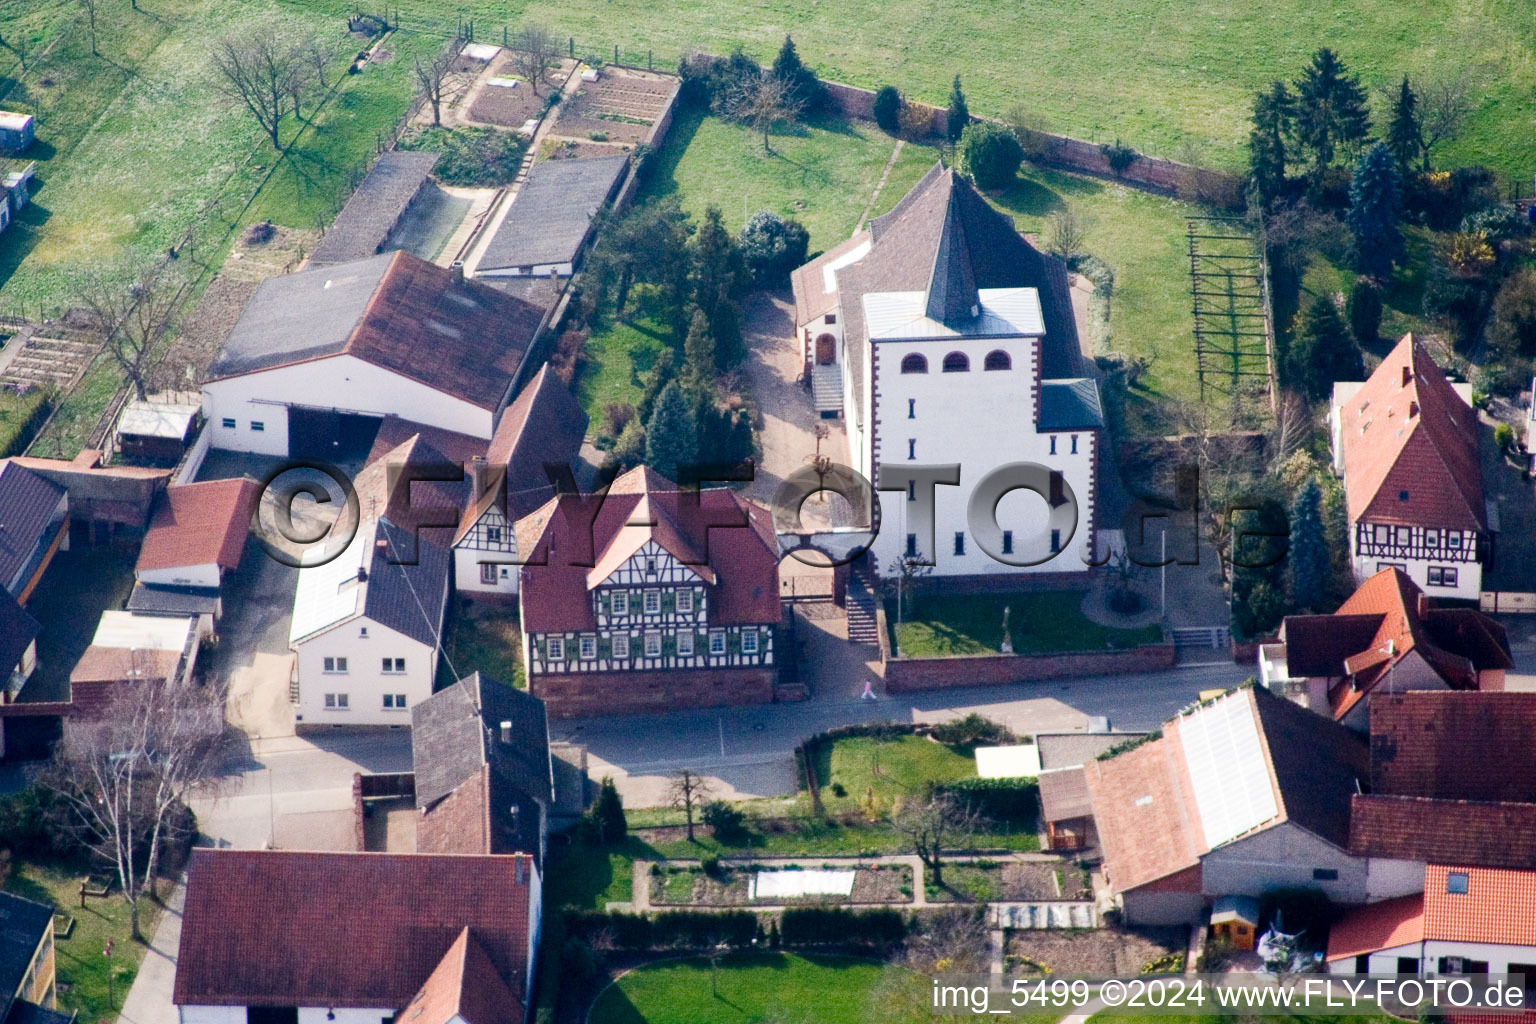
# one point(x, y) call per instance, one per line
point(608, 813)
point(1405, 133)
point(1330, 108)
point(1375, 202)
point(699, 348)
point(1322, 351)
point(1273, 112)
point(1308, 561)
point(959, 113)
point(672, 434)
point(807, 89)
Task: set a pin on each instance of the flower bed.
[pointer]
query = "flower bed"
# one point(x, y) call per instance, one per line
point(730, 886)
point(985, 881)
point(1119, 952)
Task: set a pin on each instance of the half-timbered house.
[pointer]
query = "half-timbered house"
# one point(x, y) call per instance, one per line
point(1405, 442)
point(649, 598)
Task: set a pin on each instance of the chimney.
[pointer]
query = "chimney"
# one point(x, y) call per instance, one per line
point(457, 269)
point(506, 733)
point(479, 477)
point(1423, 606)
point(1413, 409)
point(1407, 375)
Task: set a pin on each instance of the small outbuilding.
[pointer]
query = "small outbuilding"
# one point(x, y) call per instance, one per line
point(364, 226)
point(157, 431)
point(197, 533)
point(1235, 919)
point(17, 131)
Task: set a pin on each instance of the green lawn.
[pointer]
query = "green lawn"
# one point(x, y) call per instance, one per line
point(484, 638)
point(1165, 77)
point(80, 964)
point(822, 174)
point(901, 766)
point(589, 876)
point(621, 353)
point(1039, 623)
point(747, 988)
point(1403, 300)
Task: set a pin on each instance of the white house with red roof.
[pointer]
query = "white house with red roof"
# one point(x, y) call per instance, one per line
point(197, 532)
point(1468, 920)
point(1405, 442)
point(649, 597)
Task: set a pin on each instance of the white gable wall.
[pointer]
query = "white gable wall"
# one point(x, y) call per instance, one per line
point(182, 576)
point(981, 419)
point(365, 683)
point(341, 382)
point(1386, 878)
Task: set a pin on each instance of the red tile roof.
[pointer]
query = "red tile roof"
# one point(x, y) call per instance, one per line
point(199, 524)
point(464, 989)
point(569, 535)
point(1454, 745)
point(1407, 431)
point(281, 928)
point(1383, 925)
point(1383, 621)
point(1495, 835)
point(1499, 906)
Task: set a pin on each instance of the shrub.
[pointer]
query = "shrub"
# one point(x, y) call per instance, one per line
point(472, 157)
point(679, 929)
point(1365, 311)
point(608, 813)
point(971, 730)
point(1513, 330)
point(773, 246)
point(1120, 156)
point(814, 926)
point(1504, 436)
point(887, 109)
point(711, 866)
point(616, 416)
point(838, 789)
point(724, 820)
point(990, 154)
point(258, 234)
point(916, 121)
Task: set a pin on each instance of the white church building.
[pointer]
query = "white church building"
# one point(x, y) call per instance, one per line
point(944, 339)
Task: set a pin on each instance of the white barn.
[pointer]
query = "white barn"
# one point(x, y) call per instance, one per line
point(319, 357)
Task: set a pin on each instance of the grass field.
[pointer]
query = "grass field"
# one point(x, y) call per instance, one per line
point(1165, 77)
point(1040, 623)
point(79, 962)
point(747, 987)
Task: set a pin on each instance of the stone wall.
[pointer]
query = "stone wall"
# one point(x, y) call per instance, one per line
point(573, 694)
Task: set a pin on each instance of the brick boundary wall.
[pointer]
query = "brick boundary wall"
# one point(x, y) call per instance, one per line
point(574, 694)
point(1153, 173)
point(913, 675)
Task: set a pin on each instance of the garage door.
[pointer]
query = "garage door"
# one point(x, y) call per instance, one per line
point(329, 435)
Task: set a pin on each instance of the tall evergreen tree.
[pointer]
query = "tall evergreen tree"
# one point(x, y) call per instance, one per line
point(718, 267)
point(725, 325)
point(1273, 113)
point(699, 348)
point(1330, 108)
point(1364, 309)
point(806, 87)
point(1322, 351)
point(672, 434)
point(959, 113)
point(1405, 133)
point(1308, 561)
point(1375, 202)
point(608, 813)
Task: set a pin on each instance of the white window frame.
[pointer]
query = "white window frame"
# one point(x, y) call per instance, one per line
point(392, 666)
point(1453, 539)
point(652, 602)
point(493, 534)
point(618, 604)
point(652, 645)
point(685, 601)
point(621, 647)
point(685, 643)
point(394, 702)
point(588, 647)
point(749, 641)
point(557, 648)
point(337, 702)
point(334, 666)
point(717, 641)
point(487, 572)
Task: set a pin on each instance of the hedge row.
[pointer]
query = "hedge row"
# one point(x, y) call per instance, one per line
point(816, 926)
point(1014, 799)
point(683, 929)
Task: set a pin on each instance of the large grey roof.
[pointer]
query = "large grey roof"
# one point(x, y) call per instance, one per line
point(1070, 404)
point(374, 209)
point(944, 239)
point(550, 216)
point(27, 504)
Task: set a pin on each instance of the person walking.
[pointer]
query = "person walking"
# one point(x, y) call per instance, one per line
point(869, 691)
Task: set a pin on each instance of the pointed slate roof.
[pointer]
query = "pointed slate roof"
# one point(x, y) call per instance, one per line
point(951, 288)
point(1410, 447)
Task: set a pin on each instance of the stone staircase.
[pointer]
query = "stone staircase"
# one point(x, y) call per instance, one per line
point(863, 627)
point(827, 388)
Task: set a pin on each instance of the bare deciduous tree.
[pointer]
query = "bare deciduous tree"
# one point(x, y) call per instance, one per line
point(266, 72)
point(1445, 103)
point(1293, 428)
point(1065, 234)
point(126, 772)
point(535, 50)
point(431, 75)
point(687, 792)
point(133, 318)
point(765, 102)
point(934, 824)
